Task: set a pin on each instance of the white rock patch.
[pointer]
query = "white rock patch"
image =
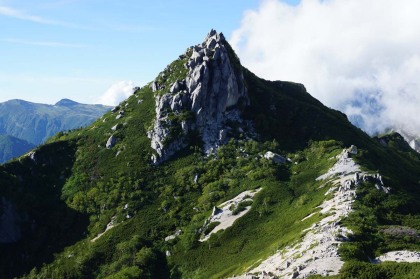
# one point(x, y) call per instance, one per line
point(403, 256)
point(173, 236)
point(109, 226)
point(317, 252)
point(344, 165)
point(224, 215)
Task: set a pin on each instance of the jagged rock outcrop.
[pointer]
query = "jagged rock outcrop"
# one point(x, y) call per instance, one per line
point(208, 100)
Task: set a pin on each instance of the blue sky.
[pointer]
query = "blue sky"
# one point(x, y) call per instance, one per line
point(78, 49)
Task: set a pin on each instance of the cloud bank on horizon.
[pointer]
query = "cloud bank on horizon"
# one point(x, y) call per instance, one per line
point(362, 57)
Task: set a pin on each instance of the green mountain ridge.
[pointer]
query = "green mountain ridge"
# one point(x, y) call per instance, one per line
point(132, 195)
point(30, 124)
point(37, 122)
point(11, 147)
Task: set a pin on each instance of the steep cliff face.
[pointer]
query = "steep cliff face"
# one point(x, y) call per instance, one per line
point(207, 101)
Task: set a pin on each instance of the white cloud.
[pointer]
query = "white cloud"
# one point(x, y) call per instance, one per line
point(11, 12)
point(362, 57)
point(117, 93)
point(22, 15)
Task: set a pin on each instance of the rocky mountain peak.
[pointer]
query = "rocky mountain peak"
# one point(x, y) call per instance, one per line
point(208, 100)
point(66, 103)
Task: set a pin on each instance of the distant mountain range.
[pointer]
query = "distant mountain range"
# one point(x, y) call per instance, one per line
point(24, 125)
point(11, 147)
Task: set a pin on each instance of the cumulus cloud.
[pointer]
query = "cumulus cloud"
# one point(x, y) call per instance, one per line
point(117, 93)
point(361, 57)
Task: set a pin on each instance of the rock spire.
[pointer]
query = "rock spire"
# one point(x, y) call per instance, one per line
point(208, 100)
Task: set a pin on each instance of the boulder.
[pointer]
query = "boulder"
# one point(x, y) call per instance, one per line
point(116, 127)
point(276, 158)
point(175, 87)
point(352, 150)
point(111, 142)
point(154, 86)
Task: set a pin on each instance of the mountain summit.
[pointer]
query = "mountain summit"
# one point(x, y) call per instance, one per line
point(208, 100)
point(66, 103)
point(209, 171)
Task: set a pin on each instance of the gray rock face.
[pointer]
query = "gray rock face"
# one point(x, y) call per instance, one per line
point(154, 86)
point(213, 93)
point(9, 220)
point(352, 150)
